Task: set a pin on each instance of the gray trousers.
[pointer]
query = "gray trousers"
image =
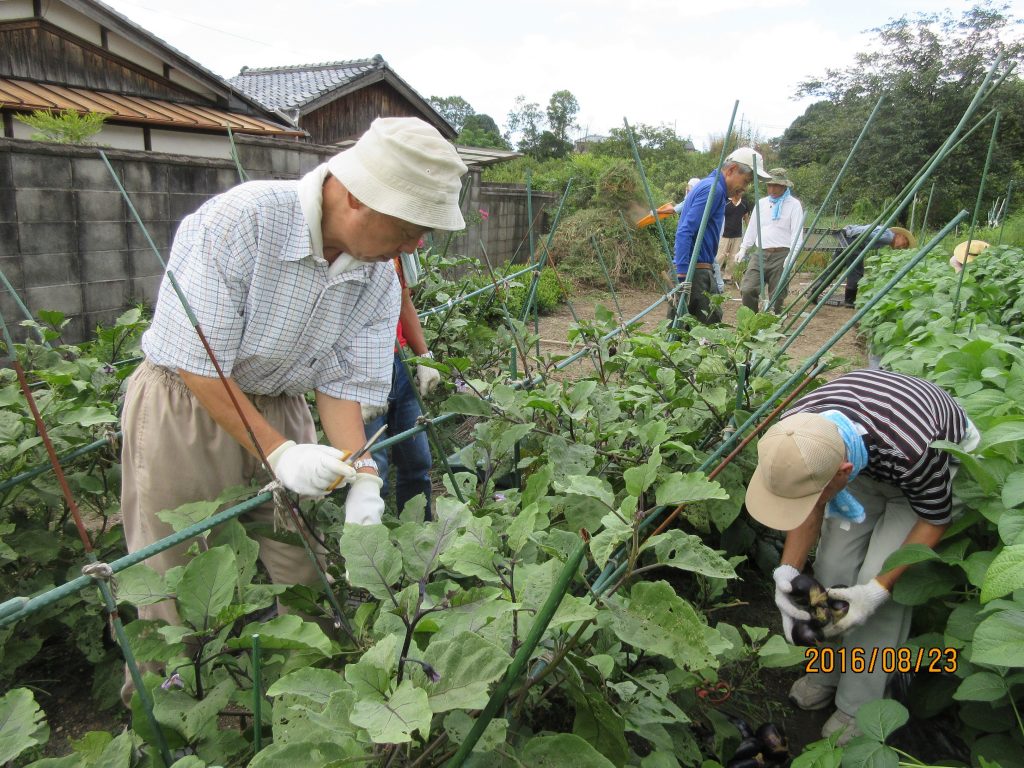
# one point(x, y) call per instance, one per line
point(855, 556)
point(774, 264)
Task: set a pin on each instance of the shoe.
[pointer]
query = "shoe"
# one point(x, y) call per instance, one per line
point(807, 694)
point(842, 723)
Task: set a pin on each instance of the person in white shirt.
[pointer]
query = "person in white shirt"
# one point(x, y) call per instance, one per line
point(779, 216)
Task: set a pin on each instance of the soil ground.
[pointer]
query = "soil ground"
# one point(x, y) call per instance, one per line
point(850, 348)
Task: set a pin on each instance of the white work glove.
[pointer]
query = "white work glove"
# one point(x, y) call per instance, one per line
point(364, 506)
point(864, 600)
point(741, 256)
point(310, 469)
point(783, 576)
point(371, 412)
point(426, 377)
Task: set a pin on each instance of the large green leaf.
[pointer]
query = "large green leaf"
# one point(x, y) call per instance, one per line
point(316, 685)
point(22, 724)
point(458, 724)
point(864, 752)
point(371, 676)
point(288, 632)
point(1013, 489)
point(614, 532)
point(981, 686)
point(292, 754)
point(140, 585)
point(778, 653)
point(469, 557)
point(877, 719)
point(599, 725)
point(562, 750)
point(639, 479)
point(467, 665)
point(206, 587)
point(176, 709)
point(687, 488)
point(999, 640)
point(371, 560)
point(908, 554)
point(392, 720)
point(658, 621)
point(689, 553)
point(470, 405)
point(1004, 574)
point(587, 485)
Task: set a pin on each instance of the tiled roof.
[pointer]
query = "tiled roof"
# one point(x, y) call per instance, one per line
point(287, 88)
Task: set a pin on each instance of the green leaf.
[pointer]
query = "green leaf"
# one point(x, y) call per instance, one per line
point(877, 719)
point(469, 557)
point(1000, 434)
point(393, 720)
point(562, 750)
point(981, 686)
point(22, 724)
point(88, 416)
point(688, 553)
point(999, 640)
point(524, 524)
point(293, 754)
point(1011, 526)
point(687, 488)
point(371, 560)
point(614, 532)
point(908, 554)
point(657, 620)
point(778, 653)
point(1013, 489)
point(1005, 573)
point(140, 585)
point(206, 587)
point(587, 485)
point(639, 479)
point(467, 665)
point(599, 725)
point(470, 405)
point(288, 632)
point(371, 675)
point(863, 752)
point(458, 724)
point(177, 710)
point(315, 685)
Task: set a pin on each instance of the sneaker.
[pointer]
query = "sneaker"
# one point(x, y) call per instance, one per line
point(809, 695)
point(842, 723)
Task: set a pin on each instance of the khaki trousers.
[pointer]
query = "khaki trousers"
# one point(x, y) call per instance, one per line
point(728, 247)
point(174, 453)
point(750, 286)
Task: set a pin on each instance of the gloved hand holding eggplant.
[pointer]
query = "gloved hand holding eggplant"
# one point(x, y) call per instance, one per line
point(825, 612)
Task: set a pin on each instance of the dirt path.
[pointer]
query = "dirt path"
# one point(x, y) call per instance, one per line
point(554, 328)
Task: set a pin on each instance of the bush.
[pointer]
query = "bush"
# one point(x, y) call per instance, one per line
point(549, 294)
point(65, 127)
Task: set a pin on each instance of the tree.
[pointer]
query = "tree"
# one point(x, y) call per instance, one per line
point(525, 121)
point(454, 109)
point(481, 131)
point(928, 68)
point(562, 110)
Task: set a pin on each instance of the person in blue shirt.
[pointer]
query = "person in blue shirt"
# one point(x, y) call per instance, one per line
point(896, 238)
point(732, 179)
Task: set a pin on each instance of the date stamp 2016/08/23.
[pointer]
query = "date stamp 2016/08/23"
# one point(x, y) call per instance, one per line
point(828, 659)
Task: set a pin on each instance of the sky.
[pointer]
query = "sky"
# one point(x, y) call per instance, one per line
point(681, 63)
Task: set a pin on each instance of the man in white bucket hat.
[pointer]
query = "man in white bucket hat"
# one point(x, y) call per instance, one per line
point(292, 285)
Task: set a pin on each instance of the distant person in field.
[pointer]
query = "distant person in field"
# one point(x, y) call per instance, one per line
point(737, 215)
point(735, 175)
point(780, 218)
point(896, 238)
point(968, 250)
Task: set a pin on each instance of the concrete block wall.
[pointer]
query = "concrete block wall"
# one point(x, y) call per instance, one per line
point(68, 241)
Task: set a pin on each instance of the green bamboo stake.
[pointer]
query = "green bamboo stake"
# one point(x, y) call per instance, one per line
point(647, 193)
point(607, 276)
point(758, 243)
point(522, 657)
point(974, 221)
point(242, 175)
point(542, 258)
point(1006, 212)
point(927, 210)
point(257, 694)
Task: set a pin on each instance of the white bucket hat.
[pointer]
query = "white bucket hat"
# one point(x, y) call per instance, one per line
point(404, 168)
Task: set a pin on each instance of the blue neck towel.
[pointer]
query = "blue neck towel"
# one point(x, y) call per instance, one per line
point(777, 204)
point(845, 505)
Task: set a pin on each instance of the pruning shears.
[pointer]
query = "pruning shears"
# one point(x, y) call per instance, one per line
point(353, 457)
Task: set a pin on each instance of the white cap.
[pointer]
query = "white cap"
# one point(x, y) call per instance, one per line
point(751, 158)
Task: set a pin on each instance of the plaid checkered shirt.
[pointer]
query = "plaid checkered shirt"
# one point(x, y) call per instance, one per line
point(275, 319)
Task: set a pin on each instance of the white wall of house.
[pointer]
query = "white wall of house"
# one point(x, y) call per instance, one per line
point(196, 144)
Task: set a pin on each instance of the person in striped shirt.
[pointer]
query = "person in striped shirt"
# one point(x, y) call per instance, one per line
point(850, 468)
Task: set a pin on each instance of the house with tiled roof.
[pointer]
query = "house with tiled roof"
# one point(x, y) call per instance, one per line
point(85, 56)
point(335, 102)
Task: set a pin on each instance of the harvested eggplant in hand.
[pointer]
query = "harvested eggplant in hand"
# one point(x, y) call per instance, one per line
point(807, 634)
point(808, 592)
point(837, 609)
point(773, 742)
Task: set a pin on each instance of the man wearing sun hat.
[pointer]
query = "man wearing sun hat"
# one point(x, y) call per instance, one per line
point(775, 233)
point(730, 180)
point(850, 468)
point(292, 285)
point(966, 251)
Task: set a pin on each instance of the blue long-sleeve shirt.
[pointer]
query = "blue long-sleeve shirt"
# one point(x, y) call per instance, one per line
point(852, 231)
point(689, 223)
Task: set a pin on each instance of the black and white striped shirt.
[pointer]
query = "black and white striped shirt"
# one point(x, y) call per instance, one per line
point(902, 416)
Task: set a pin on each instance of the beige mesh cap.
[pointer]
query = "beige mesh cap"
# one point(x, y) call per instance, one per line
point(403, 167)
point(796, 459)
